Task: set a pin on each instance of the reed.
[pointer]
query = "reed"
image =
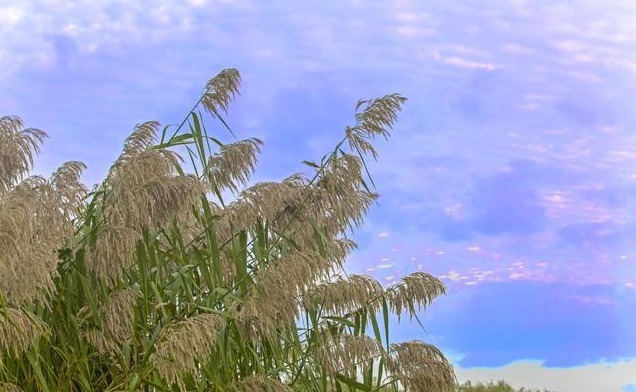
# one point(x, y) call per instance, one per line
point(152, 281)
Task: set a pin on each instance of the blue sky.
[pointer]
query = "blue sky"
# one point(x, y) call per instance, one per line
point(511, 173)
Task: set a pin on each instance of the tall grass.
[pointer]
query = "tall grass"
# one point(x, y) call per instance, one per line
point(153, 282)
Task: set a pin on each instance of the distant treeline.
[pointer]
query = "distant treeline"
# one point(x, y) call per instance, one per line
point(499, 386)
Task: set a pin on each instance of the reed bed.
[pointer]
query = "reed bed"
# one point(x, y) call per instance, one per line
point(152, 281)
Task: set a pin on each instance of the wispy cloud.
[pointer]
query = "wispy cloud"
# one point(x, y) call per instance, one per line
point(603, 376)
point(465, 63)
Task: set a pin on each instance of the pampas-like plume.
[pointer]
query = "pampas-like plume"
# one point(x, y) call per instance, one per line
point(180, 345)
point(341, 353)
point(156, 203)
point(19, 330)
point(414, 292)
point(339, 249)
point(102, 343)
point(377, 117)
point(17, 233)
point(338, 200)
point(274, 301)
point(191, 225)
point(295, 270)
point(139, 140)
point(27, 276)
point(17, 148)
point(144, 190)
point(118, 314)
point(344, 296)
point(35, 216)
point(117, 317)
point(233, 165)
point(112, 252)
point(265, 200)
point(342, 175)
point(132, 171)
point(259, 383)
point(421, 367)
point(220, 90)
point(67, 188)
point(332, 204)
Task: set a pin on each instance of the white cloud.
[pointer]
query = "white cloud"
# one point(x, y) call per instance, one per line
point(465, 63)
point(605, 377)
point(26, 28)
point(453, 276)
point(10, 16)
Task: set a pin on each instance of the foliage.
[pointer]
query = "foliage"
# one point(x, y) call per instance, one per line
point(153, 282)
point(500, 386)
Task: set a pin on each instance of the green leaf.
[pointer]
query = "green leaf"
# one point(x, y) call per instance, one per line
point(341, 320)
point(180, 140)
point(351, 383)
point(35, 365)
point(311, 164)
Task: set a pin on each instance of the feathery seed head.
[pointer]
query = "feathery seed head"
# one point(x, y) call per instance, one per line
point(338, 198)
point(344, 296)
point(17, 148)
point(339, 249)
point(118, 314)
point(143, 189)
point(376, 118)
point(266, 201)
point(140, 139)
point(105, 345)
point(296, 270)
point(220, 90)
point(39, 264)
point(274, 301)
point(112, 253)
point(233, 165)
point(19, 330)
point(342, 353)
point(68, 189)
point(182, 344)
point(35, 217)
point(421, 367)
point(414, 292)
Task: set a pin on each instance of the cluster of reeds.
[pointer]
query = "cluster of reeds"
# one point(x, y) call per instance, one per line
point(153, 282)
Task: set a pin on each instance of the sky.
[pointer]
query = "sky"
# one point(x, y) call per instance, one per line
point(510, 174)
